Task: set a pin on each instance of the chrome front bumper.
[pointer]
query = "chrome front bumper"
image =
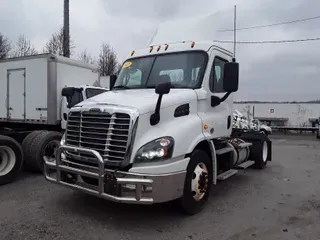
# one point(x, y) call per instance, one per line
point(117, 186)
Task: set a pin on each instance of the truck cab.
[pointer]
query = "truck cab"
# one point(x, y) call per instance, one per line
point(72, 95)
point(163, 132)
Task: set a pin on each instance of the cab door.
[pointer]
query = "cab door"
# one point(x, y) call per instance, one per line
point(217, 118)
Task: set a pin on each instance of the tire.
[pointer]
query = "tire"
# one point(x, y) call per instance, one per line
point(318, 134)
point(188, 203)
point(259, 153)
point(11, 159)
point(26, 145)
point(44, 144)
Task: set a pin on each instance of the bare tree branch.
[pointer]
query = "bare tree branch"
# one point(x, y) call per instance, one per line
point(86, 57)
point(108, 62)
point(5, 47)
point(55, 44)
point(23, 47)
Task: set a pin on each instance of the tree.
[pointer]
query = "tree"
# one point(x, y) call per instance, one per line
point(23, 47)
point(108, 63)
point(55, 44)
point(5, 47)
point(86, 57)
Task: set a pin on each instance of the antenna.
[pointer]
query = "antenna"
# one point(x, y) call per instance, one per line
point(234, 32)
point(152, 37)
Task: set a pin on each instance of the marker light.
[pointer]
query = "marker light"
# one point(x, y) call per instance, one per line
point(158, 48)
point(132, 53)
point(192, 44)
point(151, 48)
point(166, 47)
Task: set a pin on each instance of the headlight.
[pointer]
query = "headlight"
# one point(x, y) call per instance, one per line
point(158, 149)
point(63, 140)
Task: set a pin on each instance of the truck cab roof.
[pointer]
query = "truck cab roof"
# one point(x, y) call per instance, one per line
point(178, 47)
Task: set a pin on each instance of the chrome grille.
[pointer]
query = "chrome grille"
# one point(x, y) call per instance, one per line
point(106, 133)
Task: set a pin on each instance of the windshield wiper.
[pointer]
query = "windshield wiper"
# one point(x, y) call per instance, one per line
point(121, 87)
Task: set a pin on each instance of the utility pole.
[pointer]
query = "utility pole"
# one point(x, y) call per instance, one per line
point(66, 30)
point(234, 32)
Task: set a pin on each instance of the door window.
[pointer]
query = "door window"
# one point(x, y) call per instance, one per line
point(216, 75)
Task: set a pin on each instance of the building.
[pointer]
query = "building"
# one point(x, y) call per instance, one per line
point(282, 114)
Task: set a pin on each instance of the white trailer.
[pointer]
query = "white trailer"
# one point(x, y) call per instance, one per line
point(163, 132)
point(33, 110)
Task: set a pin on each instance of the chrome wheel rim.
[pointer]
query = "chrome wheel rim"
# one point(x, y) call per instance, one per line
point(199, 182)
point(7, 160)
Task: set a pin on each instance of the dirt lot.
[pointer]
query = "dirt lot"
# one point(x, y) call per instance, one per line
point(280, 202)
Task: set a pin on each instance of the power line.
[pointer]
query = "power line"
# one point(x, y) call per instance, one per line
point(269, 41)
point(271, 25)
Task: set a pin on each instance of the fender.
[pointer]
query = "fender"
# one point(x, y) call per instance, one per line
point(213, 155)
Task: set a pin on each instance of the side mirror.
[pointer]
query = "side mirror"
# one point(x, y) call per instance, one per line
point(231, 77)
point(113, 79)
point(68, 91)
point(163, 88)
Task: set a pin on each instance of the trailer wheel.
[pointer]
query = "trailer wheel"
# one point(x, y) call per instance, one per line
point(198, 183)
point(260, 154)
point(318, 134)
point(44, 145)
point(11, 159)
point(26, 145)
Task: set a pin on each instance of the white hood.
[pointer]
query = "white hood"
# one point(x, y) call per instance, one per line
point(144, 100)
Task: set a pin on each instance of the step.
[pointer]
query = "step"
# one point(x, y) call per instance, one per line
point(245, 164)
point(227, 174)
point(244, 145)
point(224, 150)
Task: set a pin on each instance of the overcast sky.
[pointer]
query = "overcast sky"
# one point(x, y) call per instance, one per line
point(268, 72)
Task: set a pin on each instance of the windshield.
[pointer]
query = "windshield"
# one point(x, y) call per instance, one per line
point(91, 92)
point(183, 70)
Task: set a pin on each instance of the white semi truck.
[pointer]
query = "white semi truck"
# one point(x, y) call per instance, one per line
point(34, 107)
point(164, 131)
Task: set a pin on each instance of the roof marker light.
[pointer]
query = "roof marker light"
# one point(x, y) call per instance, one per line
point(158, 49)
point(166, 47)
point(151, 48)
point(192, 44)
point(132, 53)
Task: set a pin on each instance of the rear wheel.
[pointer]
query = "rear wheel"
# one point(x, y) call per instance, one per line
point(11, 159)
point(198, 183)
point(260, 154)
point(318, 134)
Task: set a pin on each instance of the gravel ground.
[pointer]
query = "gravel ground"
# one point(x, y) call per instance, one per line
point(279, 202)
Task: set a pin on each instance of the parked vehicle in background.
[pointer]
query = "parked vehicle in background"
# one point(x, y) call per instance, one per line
point(37, 93)
point(241, 122)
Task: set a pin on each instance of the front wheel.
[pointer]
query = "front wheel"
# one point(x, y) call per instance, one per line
point(198, 183)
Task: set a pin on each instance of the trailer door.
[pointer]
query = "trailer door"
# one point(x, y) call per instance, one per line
point(16, 103)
